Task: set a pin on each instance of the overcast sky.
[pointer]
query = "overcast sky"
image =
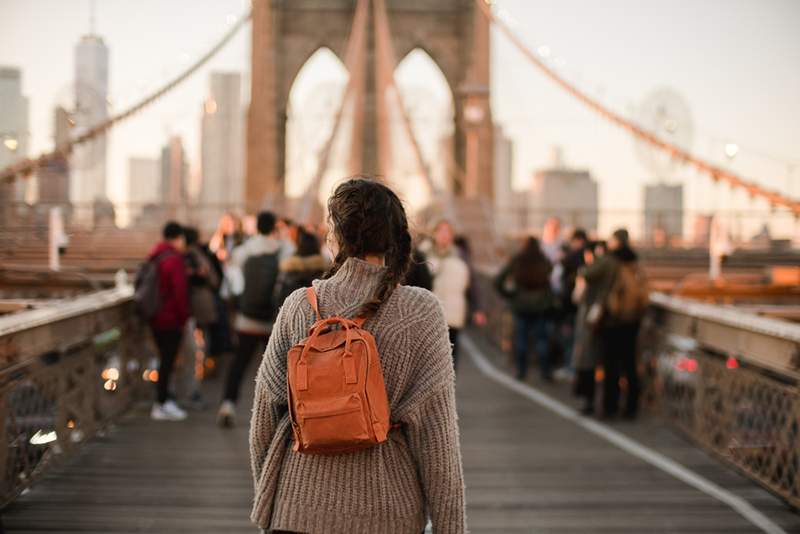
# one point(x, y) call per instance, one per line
point(735, 62)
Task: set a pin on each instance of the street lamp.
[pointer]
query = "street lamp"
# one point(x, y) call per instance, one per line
point(475, 115)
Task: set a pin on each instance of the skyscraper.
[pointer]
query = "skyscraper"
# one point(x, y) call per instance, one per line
point(222, 147)
point(508, 204)
point(174, 176)
point(570, 194)
point(13, 129)
point(144, 180)
point(88, 183)
point(663, 213)
point(54, 176)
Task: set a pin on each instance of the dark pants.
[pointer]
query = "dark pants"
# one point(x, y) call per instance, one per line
point(454, 342)
point(584, 386)
point(168, 343)
point(526, 325)
point(619, 359)
point(247, 346)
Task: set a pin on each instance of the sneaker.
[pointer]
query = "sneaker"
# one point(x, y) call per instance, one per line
point(564, 375)
point(165, 412)
point(226, 416)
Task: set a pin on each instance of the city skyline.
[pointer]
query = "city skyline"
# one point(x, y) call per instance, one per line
point(528, 107)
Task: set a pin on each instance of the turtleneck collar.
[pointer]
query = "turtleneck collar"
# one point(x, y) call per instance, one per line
point(353, 284)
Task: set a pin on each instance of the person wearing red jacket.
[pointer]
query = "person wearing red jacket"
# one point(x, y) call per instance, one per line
point(168, 322)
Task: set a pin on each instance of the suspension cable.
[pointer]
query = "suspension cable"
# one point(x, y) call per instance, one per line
point(26, 167)
point(716, 173)
point(354, 63)
point(387, 63)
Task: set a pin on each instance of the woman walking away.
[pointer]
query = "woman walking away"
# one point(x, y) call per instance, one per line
point(525, 282)
point(394, 486)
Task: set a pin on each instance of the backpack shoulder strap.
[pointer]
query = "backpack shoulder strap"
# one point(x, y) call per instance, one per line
point(311, 295)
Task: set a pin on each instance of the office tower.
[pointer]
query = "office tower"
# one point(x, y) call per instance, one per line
point(144, 186)
point(88, 183)
point(509, 205)
point(14, 132)
point(570, 194)
point(222, 183)
point(174, 176)
point(54, 177)
point(663, 213)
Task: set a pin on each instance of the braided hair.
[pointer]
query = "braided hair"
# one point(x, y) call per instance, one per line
point(367, 218)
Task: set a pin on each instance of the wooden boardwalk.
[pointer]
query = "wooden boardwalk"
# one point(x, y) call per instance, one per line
point(527, 470)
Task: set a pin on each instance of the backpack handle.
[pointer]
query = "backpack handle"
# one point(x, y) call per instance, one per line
point(311, 296)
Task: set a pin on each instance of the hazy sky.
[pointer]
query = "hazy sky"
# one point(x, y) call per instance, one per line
point(736, 63)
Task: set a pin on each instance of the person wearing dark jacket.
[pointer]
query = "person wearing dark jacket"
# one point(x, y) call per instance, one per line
point(525, 283)
point(253, 273)
point(623, 294)
point(301, 268)
point(168, 322)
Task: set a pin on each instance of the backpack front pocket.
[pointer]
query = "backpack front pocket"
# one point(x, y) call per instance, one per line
point(337, 422)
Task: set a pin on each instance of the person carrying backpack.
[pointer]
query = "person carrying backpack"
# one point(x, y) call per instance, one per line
point(623, 298)
point(525, 283)
point(376, 448)
point(162, 297)
point(253, 272)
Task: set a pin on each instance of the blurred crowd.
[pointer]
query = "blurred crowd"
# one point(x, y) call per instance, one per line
point(582, 299)
point(217, 300)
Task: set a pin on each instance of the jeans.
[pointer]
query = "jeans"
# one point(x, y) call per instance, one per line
point(524, 326)
point(247, 346)
point(168, 343)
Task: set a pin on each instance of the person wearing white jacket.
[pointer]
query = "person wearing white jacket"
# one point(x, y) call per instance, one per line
point(451, 280)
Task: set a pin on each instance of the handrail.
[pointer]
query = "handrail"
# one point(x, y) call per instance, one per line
point(67, 309)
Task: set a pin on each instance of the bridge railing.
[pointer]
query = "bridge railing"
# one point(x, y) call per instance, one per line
point(66, 371)
point(727, 379)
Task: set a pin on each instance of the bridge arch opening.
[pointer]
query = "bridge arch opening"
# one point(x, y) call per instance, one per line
point(428, 98)
point(312, 102)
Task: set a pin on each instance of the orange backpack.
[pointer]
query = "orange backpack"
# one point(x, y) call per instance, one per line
point(337, 397)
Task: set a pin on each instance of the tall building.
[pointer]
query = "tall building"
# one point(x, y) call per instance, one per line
point(663, 213)
point(569, 194)
point(144, 186)
point(14, 133)
point(174, 173)
point(54, 177)
point(222, 147)
point(88, 183)
point(509, 206)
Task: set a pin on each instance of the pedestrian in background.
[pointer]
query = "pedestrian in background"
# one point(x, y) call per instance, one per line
point(451, 278)
point(169, 321)
point(301, 268)
point(571, 262)
point(253, 267)
point(623, 297)
point(525, 283)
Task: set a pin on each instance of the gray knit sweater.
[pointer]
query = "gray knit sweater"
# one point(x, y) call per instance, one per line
point(388, 489)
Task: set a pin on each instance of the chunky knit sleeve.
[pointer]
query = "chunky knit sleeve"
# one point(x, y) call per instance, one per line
point(431, 426)
point(269, 404)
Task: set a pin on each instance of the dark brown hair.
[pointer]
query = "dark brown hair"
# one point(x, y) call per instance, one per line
point(531, 268)
point(368, 218)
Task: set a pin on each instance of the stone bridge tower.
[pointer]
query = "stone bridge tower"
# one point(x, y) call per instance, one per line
point(286, 33)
